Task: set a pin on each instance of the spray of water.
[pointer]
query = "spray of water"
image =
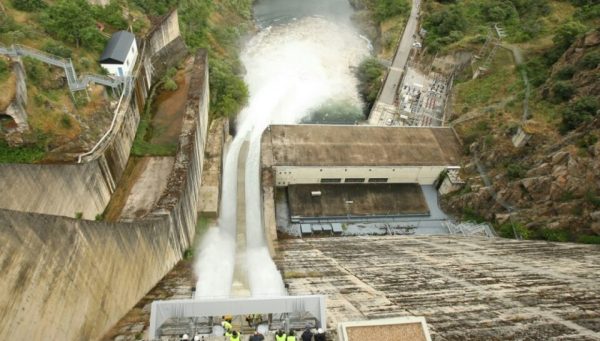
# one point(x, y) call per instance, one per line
point(291, 70)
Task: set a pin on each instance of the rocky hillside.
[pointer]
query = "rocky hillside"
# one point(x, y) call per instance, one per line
point(549, 188)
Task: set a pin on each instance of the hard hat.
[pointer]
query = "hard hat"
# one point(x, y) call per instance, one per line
point(320, 330)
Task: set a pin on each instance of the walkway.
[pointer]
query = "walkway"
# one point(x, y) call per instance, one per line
point(388, 93)
point(75, 83)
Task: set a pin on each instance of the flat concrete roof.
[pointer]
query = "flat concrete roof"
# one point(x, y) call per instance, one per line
point(335, 145)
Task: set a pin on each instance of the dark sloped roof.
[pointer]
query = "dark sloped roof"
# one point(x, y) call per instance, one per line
point(117, 48)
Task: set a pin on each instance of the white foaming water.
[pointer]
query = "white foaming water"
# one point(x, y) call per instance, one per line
point(291, 69)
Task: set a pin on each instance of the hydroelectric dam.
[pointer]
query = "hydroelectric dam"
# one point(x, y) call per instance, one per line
point(334, 227)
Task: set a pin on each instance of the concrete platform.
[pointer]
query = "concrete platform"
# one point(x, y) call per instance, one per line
point(343, 200)
point(466, 288)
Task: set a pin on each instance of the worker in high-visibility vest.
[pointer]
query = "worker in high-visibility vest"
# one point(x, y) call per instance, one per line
point(291, 336)
point(234, 336)
point(280, 336)
point(227, 326)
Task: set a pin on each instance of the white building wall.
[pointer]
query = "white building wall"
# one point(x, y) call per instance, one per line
point(113, 69)
point(424, 175)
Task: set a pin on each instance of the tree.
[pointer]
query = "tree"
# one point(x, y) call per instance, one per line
point(388, 8)
point(72, 21)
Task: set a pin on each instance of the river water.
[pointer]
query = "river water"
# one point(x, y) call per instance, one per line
point(299, 69)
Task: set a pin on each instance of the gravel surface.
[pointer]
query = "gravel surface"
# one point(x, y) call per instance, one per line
point(398, 332)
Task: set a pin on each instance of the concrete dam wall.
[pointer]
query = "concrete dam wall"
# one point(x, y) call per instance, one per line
point(69, 279)
point(68, 189)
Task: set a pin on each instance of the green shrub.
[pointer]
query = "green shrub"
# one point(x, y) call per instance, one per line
point(469, 214)
point(515, 171)
point(369, 74)
point(169, 85)
point(385, 9)
point(508, 230)
point(586, 239)
point(4, 72)
point(57, 49)
point(65, 121)
point(555, 235)
point(565, 73)
point(582, 111)
point(228, 92)
point(24, 154)
point(562, 91)
point(28, 5)
point(592, 198)
point(590, 60)
point(78, 215)
point(37, 72)
point(111, 14)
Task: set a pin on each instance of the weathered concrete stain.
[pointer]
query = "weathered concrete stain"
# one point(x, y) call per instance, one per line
point(467, 288)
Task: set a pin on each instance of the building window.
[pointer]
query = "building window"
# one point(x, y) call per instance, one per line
point(355, 180)
point(378, 180)
point(330, 180)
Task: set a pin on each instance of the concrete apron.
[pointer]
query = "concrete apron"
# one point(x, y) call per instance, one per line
point(240, 286)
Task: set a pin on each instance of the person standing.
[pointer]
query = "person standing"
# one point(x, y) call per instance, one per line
point(280, 336)
point(257, 337)
point(291, 336)
point(307, 335)
point(235, 336)
point(320, 335)
point(227, 327)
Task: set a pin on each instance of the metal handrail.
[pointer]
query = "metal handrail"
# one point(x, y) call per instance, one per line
point(74, 83)
point(125, 97)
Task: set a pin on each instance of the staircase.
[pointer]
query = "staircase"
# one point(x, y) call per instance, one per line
point(75, 83)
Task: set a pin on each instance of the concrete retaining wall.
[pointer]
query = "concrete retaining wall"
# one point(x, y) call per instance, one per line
point(69, 189)
point(164, 33)
point(69, 279)
point(210, 192)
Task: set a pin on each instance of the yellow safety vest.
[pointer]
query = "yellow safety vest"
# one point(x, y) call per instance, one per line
point(280, 338)
point(232, 338)
point(228, 332)
point(291, 338)
point(226, 325)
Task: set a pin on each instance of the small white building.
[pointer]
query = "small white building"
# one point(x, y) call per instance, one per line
point(120, 54)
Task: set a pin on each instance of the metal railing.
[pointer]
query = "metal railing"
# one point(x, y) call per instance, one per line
point(120, 111)
point(75, 84)
point(470, 229)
